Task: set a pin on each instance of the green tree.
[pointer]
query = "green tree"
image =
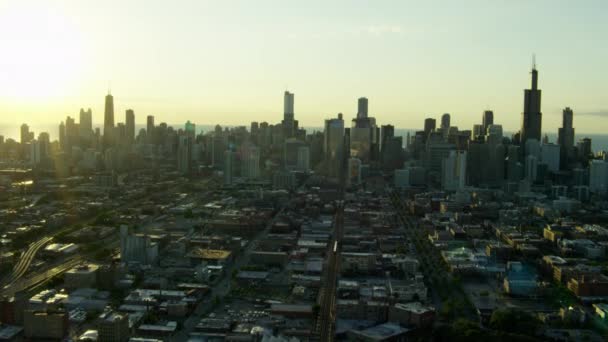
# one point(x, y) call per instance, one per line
point(514, 321)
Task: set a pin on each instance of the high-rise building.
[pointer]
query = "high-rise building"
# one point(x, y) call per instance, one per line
point(190, 129)
point(494, 134)
point(334, 145)
point(453, 171)
point(290, 125)
point(386, 133)
point(532, 116)
point(486, 121)
point(290, 153)
point(26, 135)
point(303, 159)
point(130, 126)
point(445, 121)
point(584, 149)
point(565, 136)
point(598, 176)
point(62, 144)
point(150, 129)
point(531, 168)
point(288, 106)
point(550, 156)
point(229, 166)
point(85, 123)
point(354, 171)
point(108, 121)
point(40, 149)
point(250, 161)
point(184, 154)
point(429, 126)
point(362, 107)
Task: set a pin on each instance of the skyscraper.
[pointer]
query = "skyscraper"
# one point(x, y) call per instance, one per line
point(362, 107)
point(486, 121)
point(150, 128)
point(25, 134)
point(130, 126)
point(334, 145)
point(453, 171)
point(85, 122)
point(565, 136)
point(429, 126)
point(108, 121)
point(184, 154)
point(445, 121)
point(531, 117)
point(288, 105)
point(290, 125)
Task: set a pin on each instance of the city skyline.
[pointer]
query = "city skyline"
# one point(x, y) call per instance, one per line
point(409, 68)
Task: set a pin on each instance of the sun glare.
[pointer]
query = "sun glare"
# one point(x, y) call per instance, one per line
point(42, 55)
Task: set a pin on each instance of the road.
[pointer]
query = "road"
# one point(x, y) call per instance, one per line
point(25, 261)
point(432, 264)
point(13, 283)
point(222, 288)
point(325, 325)
point(40, 277)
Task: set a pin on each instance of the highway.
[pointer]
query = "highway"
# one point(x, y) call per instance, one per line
point(39, 277)
point(325, 325)
point(25, 261)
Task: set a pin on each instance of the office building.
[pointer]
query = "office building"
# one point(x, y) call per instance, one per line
point(229, 166)
point(362, 105)
point(108, 121)
point(565, 136)
point(85, 123)
point(550, 156)
point(429, 126)
point(354, 171)
point(40, 325)
point(137, 248)
point(598, 176)
point(150, 133)
point(184, 154)
point(82, 276)
point(445, 122)
point(453, 173)
point(532, 116)
point(334, 146)
point(113, 327)
point(250, 161)
point(486, 121)
point(130, 126)
point(289, 124)
point(303, 159)
point(290, 153)
point(26, 135)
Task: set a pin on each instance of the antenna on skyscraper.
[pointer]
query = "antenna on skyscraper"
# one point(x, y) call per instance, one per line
point(533, 61)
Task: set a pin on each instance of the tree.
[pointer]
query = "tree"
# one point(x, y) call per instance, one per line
point(514, 321)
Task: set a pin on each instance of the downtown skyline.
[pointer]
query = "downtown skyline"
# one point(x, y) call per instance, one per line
point(409, 68)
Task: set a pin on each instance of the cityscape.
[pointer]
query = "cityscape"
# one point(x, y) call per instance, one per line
point(121, 226)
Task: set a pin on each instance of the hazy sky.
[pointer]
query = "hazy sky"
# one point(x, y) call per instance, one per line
point(229, 62)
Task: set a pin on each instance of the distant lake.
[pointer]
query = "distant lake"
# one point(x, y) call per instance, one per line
point(599, 142)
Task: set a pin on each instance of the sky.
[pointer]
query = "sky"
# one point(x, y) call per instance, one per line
point(229, 62)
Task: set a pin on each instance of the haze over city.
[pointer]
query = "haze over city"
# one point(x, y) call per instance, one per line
point(318, 171)
point(223, 62)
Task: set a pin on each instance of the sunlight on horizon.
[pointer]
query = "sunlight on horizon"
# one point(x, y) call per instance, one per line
point(43, 54)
